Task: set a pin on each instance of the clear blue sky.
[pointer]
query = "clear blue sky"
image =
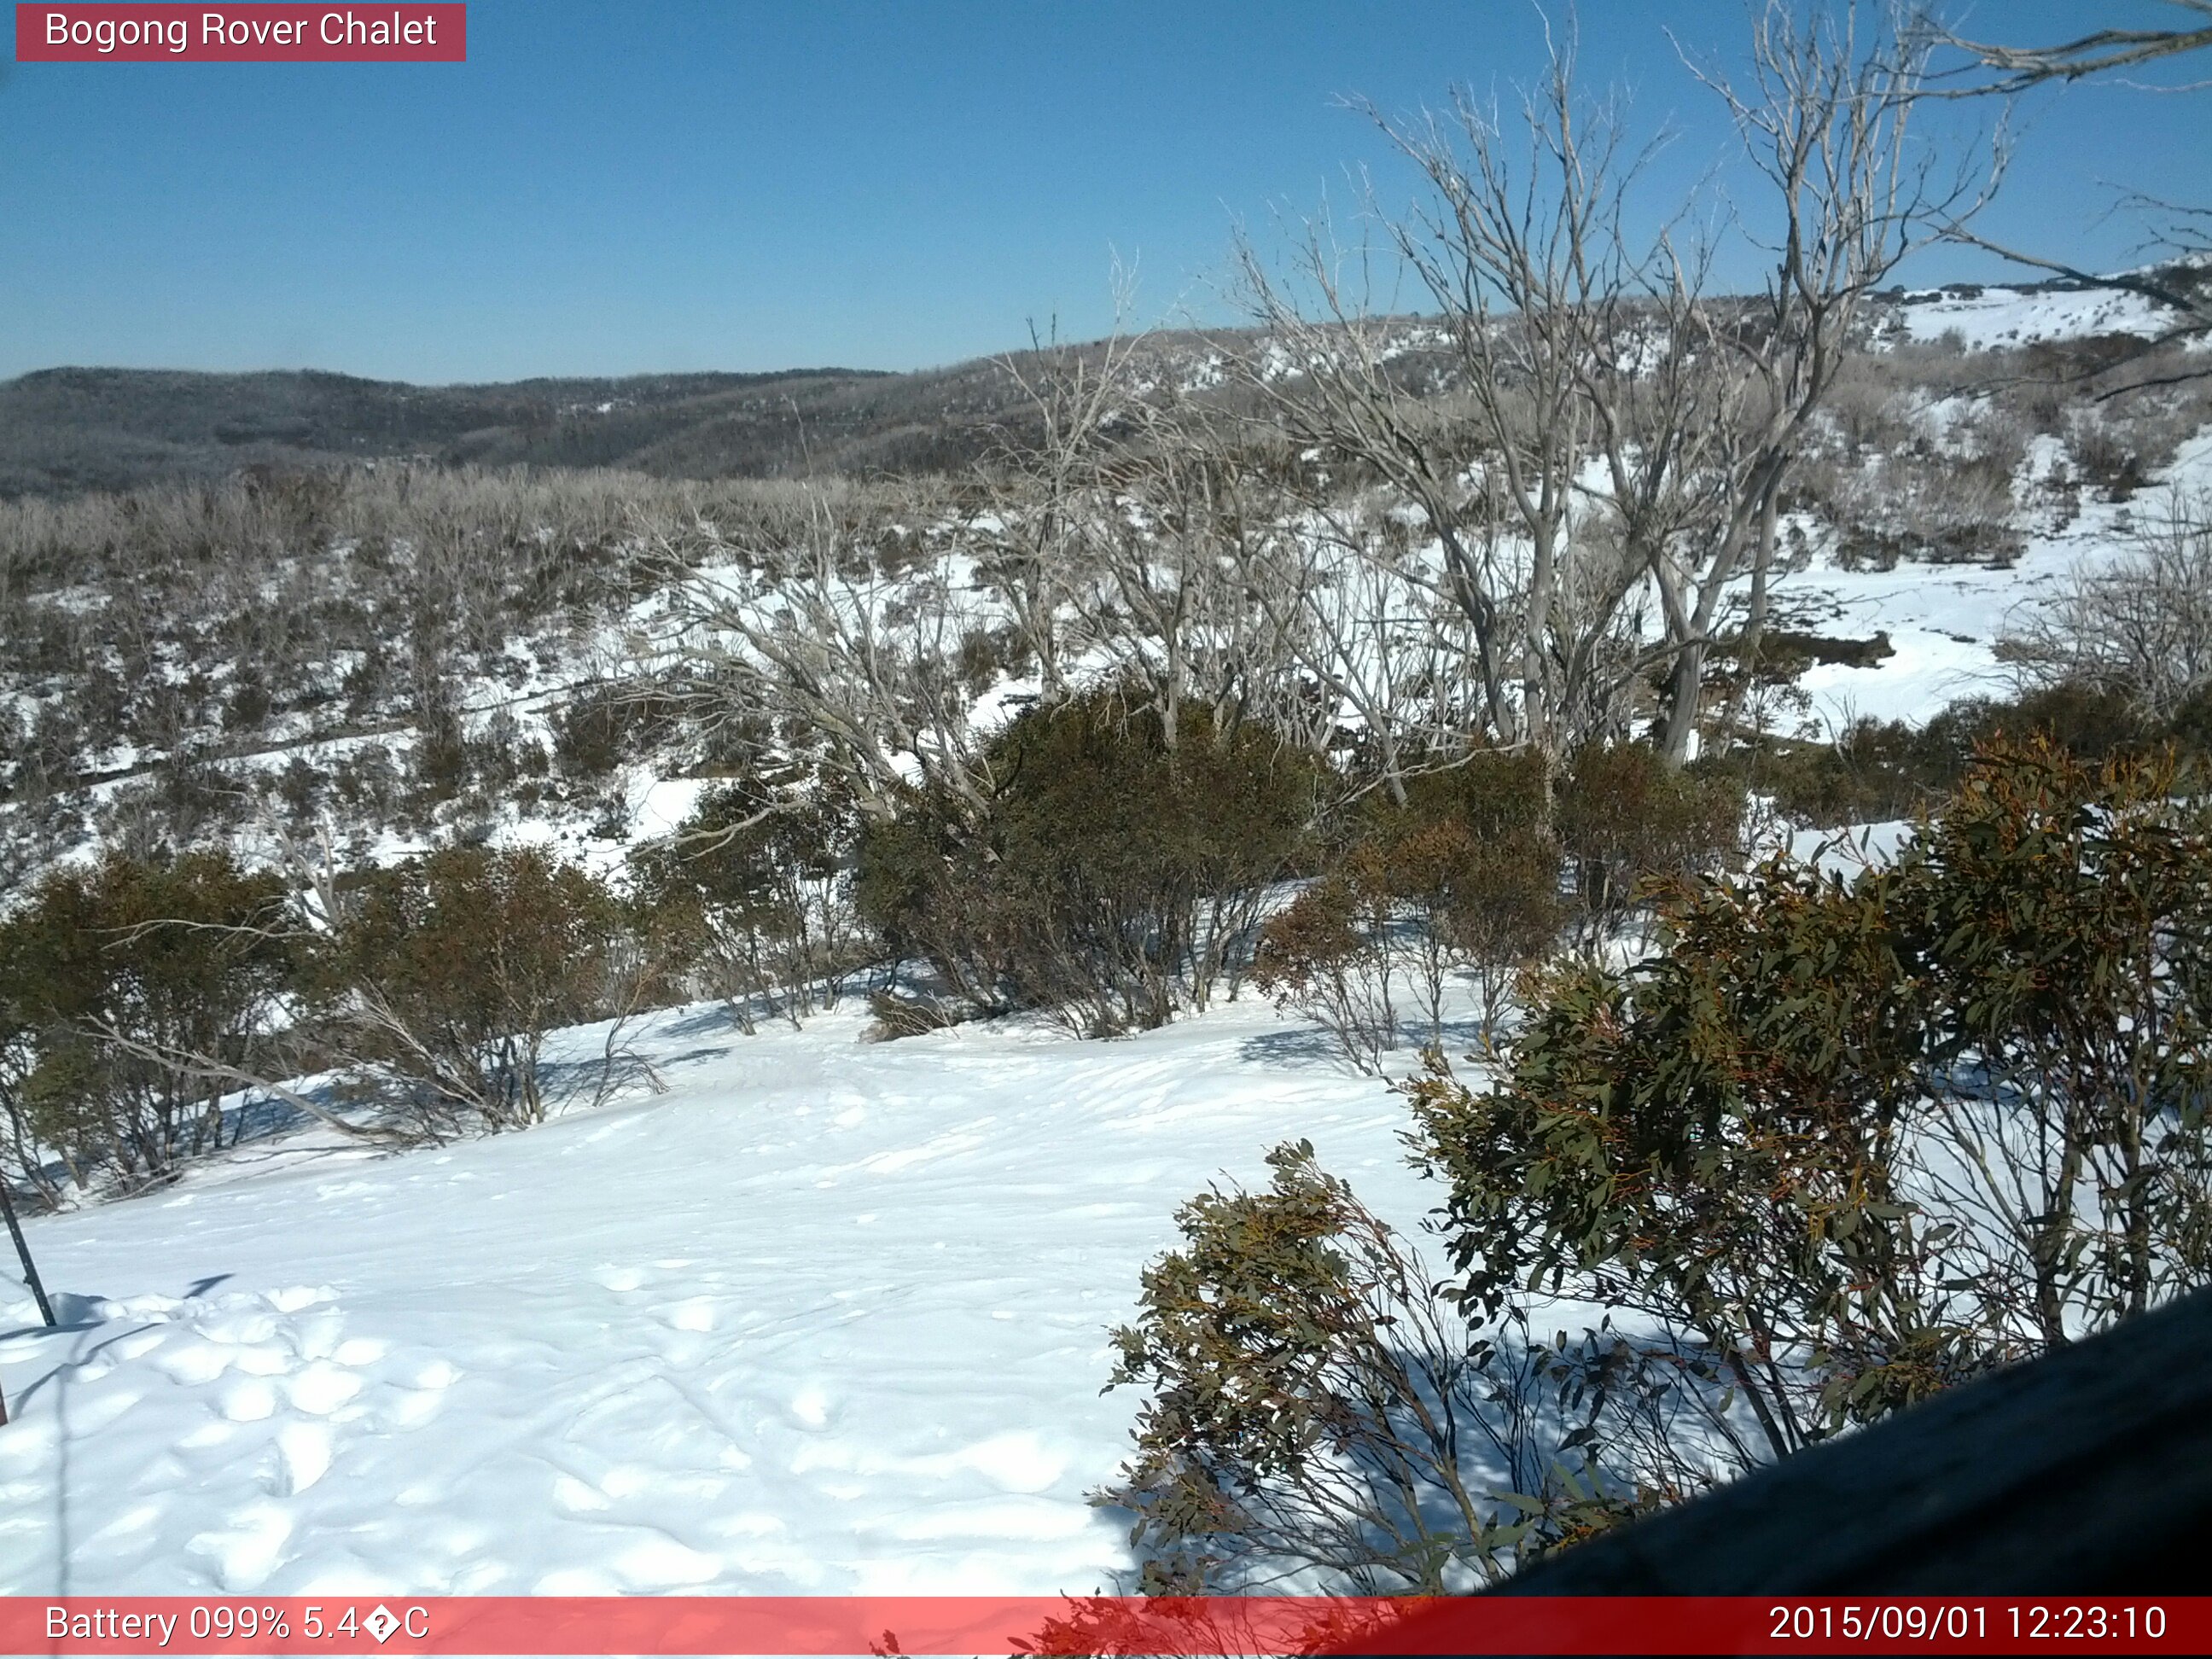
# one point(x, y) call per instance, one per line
point(651, 184)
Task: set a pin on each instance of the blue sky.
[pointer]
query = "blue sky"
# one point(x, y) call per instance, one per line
point(656, 185)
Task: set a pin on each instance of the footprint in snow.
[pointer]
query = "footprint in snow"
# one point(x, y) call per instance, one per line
point(695, 1313)
point(811, 1406)
point(305, 1450)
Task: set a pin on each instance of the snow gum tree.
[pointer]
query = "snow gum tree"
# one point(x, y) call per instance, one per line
point(1578, 423)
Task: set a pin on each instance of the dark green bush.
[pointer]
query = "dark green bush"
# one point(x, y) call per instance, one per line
point(443, 977)
point(1878, 771)
point(600, 730)
point(1840, 1143)
point(1313, 1403)
point(1111, 873)
point(764, 889)
point(107, 971)
point(1786, 1136)
point(1629, 821)
point(1464, 874)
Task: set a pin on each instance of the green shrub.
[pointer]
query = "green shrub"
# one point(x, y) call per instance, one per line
point(1111, 875)
point(443, 976)
point(1630, 822)
point(1853, 1141)
point(1328, 955)
point(1503, 915)
point(600, 728)
point(1414, 901)
point(1493, 793)
point(1877, 771)
point(1840, 1143)
point(924, 884)
point(764, 889)
point(112, 979)
point(1313, 1403)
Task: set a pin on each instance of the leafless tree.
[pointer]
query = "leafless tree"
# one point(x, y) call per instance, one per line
point(1506, 247)
point(1163, 598)
point(1569, 342)
point(839, 620)
point(1363, 635)
point(2139, 626)
point(1138, 531)
point(2182, 230)
point(2101, 51)
point(1042, 488)
point(1826, 119)
point(31, 1280)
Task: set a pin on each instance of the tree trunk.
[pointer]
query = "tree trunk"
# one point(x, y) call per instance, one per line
point(1685, 683)
point(30, 1269)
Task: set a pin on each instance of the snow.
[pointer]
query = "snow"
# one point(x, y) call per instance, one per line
point(1998, 316)
point(1846, 852)
point(1944, 620)
point(663, 805)
point(827, 1316)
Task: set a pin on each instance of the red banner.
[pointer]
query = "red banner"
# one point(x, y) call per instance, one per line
point(927, 1625)
point(287, 33)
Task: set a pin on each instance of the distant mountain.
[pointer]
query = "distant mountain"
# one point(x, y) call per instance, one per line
point(63, 430)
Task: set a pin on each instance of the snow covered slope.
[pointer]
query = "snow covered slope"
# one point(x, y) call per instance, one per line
point(827, 1316)
point(1990, 319)
point(1944, 620)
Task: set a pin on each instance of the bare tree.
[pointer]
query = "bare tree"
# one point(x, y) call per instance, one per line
point(1364, 636)
point(1506, 248)
point(1826, 119)
point(1564, 341)
point(1042, 488)
point(31, 1279)
point(1133, 530)
point(1162, 528)
point(2016, 69)
point(839, 621)
point(2180, 229)
point(2139, 626)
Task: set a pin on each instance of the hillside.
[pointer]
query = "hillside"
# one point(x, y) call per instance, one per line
point(778, 1304)
point(67, 430)
point(416, 649)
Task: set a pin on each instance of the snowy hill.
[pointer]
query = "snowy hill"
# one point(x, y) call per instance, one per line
point(826, 1315)
point(1992, 317)
point(1943, 621)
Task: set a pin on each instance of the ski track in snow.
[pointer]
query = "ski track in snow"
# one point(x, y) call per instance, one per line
point(827, 1317)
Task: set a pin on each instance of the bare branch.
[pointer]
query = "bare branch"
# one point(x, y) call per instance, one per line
point(2017, 68)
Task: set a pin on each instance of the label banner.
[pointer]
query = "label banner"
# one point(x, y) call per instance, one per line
point(106, 33)
point(1035, 1625)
